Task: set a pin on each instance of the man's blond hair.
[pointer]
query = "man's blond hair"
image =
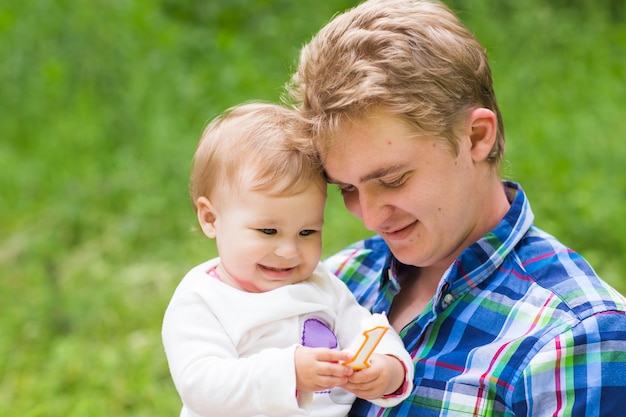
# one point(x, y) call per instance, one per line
point(411, 58)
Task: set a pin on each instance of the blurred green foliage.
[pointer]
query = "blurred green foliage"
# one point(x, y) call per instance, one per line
point(102, 103)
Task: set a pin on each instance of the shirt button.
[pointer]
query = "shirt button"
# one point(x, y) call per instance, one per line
point(448, 299)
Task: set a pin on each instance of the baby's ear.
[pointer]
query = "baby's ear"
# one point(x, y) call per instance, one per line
point(206, 216)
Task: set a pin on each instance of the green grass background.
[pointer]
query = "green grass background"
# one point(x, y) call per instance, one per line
point(102, 103)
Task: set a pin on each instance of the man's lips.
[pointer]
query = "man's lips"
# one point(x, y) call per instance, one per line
point(399, 233)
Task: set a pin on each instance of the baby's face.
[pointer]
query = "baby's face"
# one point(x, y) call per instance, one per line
point(267, 241)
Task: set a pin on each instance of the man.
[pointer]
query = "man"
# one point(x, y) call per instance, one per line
point(500, 317)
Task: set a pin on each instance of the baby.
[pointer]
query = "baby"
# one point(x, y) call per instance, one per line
point(265, 330)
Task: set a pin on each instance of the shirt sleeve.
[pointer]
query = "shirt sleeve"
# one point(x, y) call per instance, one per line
point(349, 328)
point(581, 372)
point(211, 379)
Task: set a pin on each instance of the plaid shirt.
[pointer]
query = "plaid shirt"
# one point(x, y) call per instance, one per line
point(520, 326)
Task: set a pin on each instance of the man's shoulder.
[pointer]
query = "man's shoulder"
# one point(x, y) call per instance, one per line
point(566, 273)
point(359, 266)
point(362, 257)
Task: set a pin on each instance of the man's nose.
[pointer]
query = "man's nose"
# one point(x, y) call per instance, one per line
point(371, 210)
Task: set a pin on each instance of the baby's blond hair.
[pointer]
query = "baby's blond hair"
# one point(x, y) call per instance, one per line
point(257, 138)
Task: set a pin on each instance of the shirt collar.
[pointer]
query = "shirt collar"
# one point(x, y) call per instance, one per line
point(478, 261)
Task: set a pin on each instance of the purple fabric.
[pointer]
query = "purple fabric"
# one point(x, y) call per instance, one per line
point(317, 334)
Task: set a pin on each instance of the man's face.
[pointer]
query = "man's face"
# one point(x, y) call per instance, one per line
point(411, 190)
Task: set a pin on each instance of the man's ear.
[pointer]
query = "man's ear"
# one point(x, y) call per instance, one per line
point(483, 126)
point(206, 216)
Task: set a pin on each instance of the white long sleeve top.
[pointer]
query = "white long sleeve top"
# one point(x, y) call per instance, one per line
point(231, 353)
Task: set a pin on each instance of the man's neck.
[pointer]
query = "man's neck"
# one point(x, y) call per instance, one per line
point(417, 287)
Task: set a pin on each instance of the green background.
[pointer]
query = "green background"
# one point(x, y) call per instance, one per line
point(102, 104)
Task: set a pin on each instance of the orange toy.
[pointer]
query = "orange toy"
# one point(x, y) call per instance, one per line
point(374, 331)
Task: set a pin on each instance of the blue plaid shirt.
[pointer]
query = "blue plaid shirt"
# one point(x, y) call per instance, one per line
point(520, 326)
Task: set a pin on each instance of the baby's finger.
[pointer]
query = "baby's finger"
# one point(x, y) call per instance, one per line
point(332, 355)
point(363, 377)
point(364, 391)
point(335, 370)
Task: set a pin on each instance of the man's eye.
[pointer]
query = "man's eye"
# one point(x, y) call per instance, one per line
point(307, 232)
point(346, 188)
point(393, 183)
point(268, 231)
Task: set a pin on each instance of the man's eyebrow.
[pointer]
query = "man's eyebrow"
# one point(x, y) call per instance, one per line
point(378, 173)
point(382, 172)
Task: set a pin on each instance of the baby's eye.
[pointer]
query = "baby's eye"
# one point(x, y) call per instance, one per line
point(268, 231)
point(307, 232)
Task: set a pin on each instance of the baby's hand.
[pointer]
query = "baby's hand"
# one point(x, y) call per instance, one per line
point(384, 376)
point(318, 369)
